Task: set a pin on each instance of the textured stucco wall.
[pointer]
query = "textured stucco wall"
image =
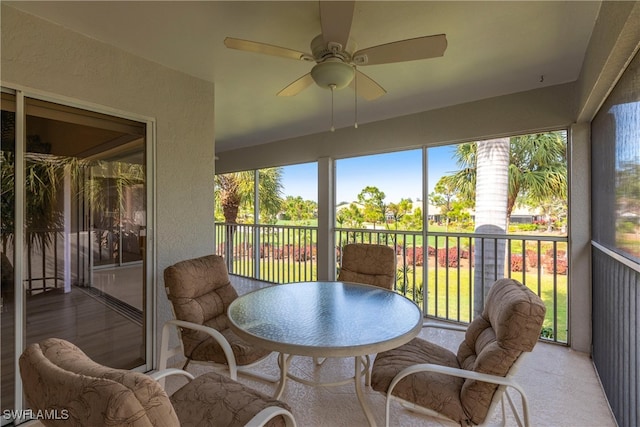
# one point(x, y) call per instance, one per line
point(42, 56)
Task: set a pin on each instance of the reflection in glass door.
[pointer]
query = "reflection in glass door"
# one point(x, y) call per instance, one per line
point(82, 258)
point(118, 210)
point(88, 167)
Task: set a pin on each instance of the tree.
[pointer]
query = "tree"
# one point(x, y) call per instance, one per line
point(232, 191)
point(43, 178)
point(628, 186)
point(413, 221)
point(236, 190)
point(297, 209)
point(537, 170)
point(444, 198)
point(43, 186)
point(492, 180)
point(399, 210)
point(464, 180)
point(374, 207)
point(351, 216)
point(534, 167)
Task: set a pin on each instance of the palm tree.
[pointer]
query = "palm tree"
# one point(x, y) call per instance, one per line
point(43, 177)
point(537, 175)
point(491, 215)
point(235, 191)
point(537, 170)
point(399, 210)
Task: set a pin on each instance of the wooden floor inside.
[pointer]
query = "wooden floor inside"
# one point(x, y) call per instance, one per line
point(108, 333)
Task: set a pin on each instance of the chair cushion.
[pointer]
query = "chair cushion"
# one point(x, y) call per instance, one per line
point(210, 350)
point(428, 389)
point(57, 375)
point(204, 402)
point(369, 264)
point(510, 324)
point(200, 292)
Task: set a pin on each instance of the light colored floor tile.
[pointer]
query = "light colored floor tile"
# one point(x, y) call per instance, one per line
point(561, 386)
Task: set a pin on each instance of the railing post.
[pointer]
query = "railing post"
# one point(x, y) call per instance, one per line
point(256, 251)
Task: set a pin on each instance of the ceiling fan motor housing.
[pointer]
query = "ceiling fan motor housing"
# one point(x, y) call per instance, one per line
point(332, 74)
point(333, 69)
point(322, 49)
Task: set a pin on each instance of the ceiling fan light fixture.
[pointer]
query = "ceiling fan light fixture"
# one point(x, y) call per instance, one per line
point(332, 73)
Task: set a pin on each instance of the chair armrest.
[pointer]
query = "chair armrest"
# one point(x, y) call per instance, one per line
point(166, 352)
point(158, 375)
point(264, 416)
point(462, 373)
point(456, 372)
point(446, 326)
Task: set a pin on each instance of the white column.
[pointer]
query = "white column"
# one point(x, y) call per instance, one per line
point(326, 255)
point(580, 236)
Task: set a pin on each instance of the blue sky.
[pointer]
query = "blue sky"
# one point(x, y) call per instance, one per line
point(398, 175)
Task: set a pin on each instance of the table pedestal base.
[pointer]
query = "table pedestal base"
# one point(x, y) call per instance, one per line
point(285, 360)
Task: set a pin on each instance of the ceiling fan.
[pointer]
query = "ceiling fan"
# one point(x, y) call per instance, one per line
point(336, 60)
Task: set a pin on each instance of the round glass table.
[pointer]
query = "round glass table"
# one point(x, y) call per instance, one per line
point(325, 319)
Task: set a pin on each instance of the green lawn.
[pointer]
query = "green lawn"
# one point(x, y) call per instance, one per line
point(449, 297)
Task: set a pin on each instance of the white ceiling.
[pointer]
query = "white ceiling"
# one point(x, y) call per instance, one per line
point(494, 48)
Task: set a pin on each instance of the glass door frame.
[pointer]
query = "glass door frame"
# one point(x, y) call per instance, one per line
point(21, 94)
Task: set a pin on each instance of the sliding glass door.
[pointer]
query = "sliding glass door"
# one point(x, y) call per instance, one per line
point(74, 216)
point(7, 295)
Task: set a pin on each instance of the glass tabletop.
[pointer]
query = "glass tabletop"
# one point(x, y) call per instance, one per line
point(325, 318)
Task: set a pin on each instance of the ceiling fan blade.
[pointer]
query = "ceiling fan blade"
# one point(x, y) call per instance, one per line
point(266, 49)
point(297, 86)
point(403, 50)
point(366, 87)
point(335, 20)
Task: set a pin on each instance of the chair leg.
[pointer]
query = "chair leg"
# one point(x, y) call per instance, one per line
point(366, 362)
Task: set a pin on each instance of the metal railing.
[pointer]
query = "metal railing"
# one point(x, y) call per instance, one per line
point(271, 253)
point(445, 261)
point(616, 331)
point(43, 260)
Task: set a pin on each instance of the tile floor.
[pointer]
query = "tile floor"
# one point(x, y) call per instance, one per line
point(561, 385)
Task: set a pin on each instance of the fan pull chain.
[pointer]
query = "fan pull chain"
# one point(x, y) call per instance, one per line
point(355, 97)
point(332, 87)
